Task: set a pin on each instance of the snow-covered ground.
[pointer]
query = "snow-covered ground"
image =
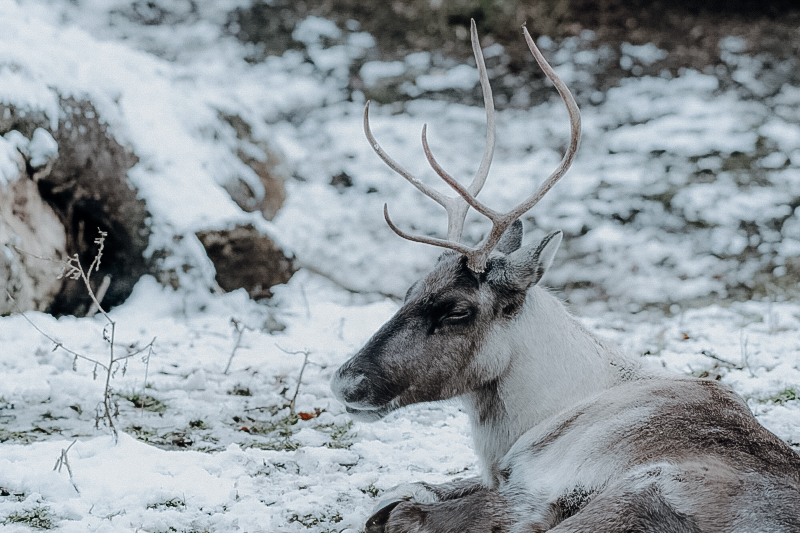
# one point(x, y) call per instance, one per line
point(683, 196)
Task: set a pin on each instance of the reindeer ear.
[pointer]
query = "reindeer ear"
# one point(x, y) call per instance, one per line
point(526, 266)
point(511, 239)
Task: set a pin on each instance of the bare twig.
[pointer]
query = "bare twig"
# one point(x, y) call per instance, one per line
point(146, 361)
point(305, 300)
point(63, 460)
point(743, 340)
point(341, 284)
point(74, 270)
point(240, 329)
point(56, 344)
point(101, 293)
point(715, 357)
point(299, 378)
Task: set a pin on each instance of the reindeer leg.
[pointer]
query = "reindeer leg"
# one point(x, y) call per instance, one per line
point(420, 493)
point(428, 493)
point(481, 511)
point(620, 511)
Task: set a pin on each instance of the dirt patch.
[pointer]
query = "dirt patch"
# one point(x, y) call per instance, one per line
point(244, 258)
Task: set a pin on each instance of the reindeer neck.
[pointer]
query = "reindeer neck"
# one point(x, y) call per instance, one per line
point(553, 362)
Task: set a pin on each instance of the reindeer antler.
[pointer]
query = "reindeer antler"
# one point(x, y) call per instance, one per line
point(457, 206)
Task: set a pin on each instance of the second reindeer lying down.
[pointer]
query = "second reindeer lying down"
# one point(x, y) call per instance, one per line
point(572, 435)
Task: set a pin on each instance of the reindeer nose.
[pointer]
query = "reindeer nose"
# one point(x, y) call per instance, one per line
point(349, 386)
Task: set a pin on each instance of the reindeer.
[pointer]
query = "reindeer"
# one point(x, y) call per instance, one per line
point(571, 434)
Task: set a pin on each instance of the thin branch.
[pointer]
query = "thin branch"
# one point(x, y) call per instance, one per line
point(341, 284)
point(743, 340)
point(715, 357)
point(101, 293)
point(240, 329)
point(299, 378)
point(101, 244)
point(48, 259)
point(57, 344)
point(146, 370)
point(148, 346)
point(63, 460)
point(73, 269)
point(305, 300)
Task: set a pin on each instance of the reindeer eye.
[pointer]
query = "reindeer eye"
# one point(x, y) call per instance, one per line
point(450, 314)
point(457, 315)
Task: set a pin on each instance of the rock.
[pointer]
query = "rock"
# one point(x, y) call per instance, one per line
point(86, 187)
point(266, 163)
point(28, 223)
point(70, 183)
point(245, 258)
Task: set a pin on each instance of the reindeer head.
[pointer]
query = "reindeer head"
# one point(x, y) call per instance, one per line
point(439, 344)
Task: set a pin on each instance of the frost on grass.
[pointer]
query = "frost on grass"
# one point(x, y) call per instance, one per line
point(38, 517)
point(219, 458)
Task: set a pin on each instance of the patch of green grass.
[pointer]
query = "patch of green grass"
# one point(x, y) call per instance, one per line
point(313, 520)
point(39, 517)
point(173, 529)
point(5, 493)
point(21, 437)
point(342, 436)
point(172, 503)
point(283, 426)
point(371, 490)
point(784, 396)
point(278, 445)
point(239, 390)
point(142, 433)
point(280, 430)
point(198, 424)
point(146, 402)
point(169, 440)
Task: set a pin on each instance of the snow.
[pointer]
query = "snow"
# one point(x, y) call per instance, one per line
point(10, 159)
point(373, 71)
point(646, 54)
point(669, 172)
point(311, 29)
point(39, 149)
point(42, 147)
point(460, 77)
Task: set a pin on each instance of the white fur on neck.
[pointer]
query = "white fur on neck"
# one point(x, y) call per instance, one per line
point(545, 362)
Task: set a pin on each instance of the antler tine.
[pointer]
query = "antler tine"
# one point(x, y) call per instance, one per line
point(574, 125)
point(488, 102)
point(456, 210)
point(453, 245)
point(477, 260)
point(394, 165)
point(465, 193)
point(457, 206)
point(469, 193)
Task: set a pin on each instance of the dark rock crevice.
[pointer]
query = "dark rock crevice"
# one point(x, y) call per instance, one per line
point(89, 190)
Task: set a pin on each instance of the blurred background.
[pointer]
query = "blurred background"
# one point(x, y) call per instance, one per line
point(219, 143)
